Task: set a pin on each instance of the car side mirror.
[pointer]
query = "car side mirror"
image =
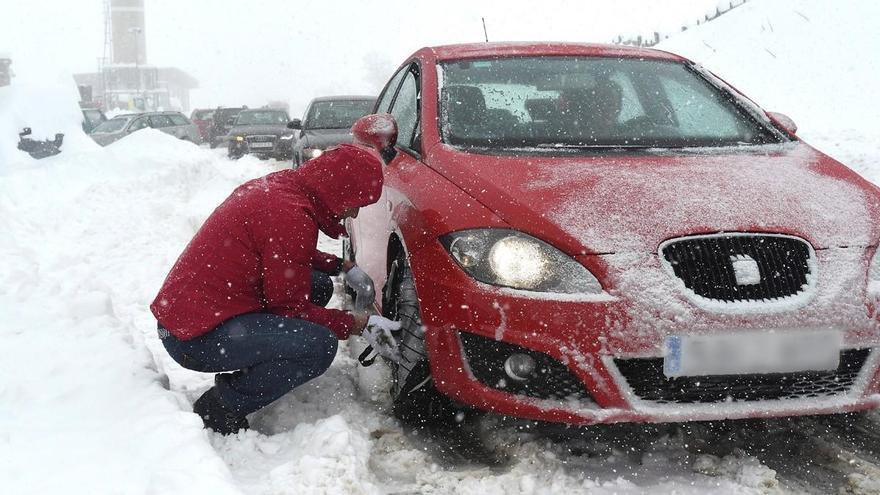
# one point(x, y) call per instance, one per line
point(784, 120)
point(295, 124)
point(230, 121)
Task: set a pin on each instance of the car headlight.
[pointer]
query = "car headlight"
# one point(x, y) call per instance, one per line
point(513, 259)
point(310, 153)
point(239, 138)
point(286, 137)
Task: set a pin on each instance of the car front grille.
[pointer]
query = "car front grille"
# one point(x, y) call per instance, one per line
point(552, 379)
point(261, 142)
point(706, 265)
point(646, 379)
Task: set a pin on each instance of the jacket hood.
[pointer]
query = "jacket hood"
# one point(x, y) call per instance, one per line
point(616, 203)
point(345, 177)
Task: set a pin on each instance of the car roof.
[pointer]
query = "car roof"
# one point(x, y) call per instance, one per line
point(513, 49)
point(345, 98)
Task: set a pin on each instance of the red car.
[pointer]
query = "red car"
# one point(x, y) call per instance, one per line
point(593, 234)
point(203, 118)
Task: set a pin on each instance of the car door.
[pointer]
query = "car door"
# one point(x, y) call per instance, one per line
point(375, 224)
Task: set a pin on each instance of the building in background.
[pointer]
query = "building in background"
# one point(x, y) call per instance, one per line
point(125, 80)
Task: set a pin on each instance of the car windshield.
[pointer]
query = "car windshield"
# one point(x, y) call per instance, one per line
point(115, 124)
point(257, 117)
point(203, 114)
point(589, 102)
point(337, 114)
point(223, 116)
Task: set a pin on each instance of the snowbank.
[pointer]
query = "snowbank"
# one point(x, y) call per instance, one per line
point(88, 237)
point(47, 110)
point(812, 60)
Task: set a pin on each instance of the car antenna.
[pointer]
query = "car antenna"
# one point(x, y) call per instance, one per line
point(485, 33)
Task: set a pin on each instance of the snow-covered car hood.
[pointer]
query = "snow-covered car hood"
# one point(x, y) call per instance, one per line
point(325, 138)
point(612, 203)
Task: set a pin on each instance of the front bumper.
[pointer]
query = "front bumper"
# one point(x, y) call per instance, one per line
point(280, 149)
point(585, 336)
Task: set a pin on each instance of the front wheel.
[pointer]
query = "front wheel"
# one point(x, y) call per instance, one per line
point(415, 399)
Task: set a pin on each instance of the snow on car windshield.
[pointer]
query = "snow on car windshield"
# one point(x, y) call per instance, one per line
point(559, 102)
point(257, 117)
point(115, 124)
point(339, 114)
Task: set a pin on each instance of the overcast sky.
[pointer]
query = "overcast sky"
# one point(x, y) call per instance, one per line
point(250, 52)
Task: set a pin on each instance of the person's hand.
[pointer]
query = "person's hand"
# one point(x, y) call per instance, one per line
point(360, 322)
point(362, 285)
point(347, 265)
point(379, 336)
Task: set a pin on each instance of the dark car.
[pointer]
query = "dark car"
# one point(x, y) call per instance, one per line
point(328, 122)
point(222, 122)
point(262, 132)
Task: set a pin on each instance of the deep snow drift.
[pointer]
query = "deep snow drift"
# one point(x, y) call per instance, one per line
point(89, 402)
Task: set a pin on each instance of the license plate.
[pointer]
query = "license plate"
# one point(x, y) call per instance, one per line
point(262, 145)
point(751, 352)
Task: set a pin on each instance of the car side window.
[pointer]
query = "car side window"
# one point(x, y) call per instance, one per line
point(178, 120)
point(138, 124)
point(406, 111)
point(390, 90)
point(160, 121)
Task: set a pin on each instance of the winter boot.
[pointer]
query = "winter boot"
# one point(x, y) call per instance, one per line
point(217, 416)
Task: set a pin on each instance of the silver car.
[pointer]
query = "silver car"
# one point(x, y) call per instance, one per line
point(174, 123)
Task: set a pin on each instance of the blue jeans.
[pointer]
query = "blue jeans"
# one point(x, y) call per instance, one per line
point(268, 355)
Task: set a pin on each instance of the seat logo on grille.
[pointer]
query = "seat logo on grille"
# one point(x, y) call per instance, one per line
point(745, 269)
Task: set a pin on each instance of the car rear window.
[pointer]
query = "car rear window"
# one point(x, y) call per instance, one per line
point(590, 102)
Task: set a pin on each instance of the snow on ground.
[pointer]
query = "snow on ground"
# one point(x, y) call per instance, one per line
point(90, 403)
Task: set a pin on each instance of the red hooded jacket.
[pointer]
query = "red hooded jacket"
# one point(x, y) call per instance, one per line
point(256, 251)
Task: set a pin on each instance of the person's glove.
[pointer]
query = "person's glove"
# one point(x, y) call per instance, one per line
point(379, 336)
point(363, 288)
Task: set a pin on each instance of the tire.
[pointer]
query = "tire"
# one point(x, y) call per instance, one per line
point(415, 400)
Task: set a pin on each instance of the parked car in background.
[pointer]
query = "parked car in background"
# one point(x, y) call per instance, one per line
point(262, 132)
point(221, 122)
point(173, 123)
point(592, 234)
point(327, 123)
point(92, 117)
point(203, 118)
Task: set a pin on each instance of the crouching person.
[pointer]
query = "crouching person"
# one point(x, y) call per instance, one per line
point(246, 297)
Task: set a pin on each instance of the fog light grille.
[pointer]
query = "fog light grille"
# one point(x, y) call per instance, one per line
point(550, 380)
point(646, 379)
